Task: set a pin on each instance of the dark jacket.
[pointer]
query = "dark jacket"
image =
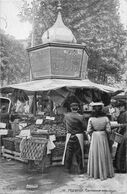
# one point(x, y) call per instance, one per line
point(75, 123)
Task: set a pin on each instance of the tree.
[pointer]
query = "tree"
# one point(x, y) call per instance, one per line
point(13, 60)
point(96, 23)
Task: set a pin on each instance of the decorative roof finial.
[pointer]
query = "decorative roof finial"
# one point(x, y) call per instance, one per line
point(59, 6)
point(58, 32)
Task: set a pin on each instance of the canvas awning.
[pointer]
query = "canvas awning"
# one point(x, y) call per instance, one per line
point(53, 84)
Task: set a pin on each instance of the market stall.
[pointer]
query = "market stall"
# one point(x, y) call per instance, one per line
point(58, 71)
point(42, 128)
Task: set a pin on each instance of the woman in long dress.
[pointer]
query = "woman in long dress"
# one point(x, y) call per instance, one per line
point(99, 158)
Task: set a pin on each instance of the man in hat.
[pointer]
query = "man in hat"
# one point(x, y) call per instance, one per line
point(120, 158)
point(74, 153)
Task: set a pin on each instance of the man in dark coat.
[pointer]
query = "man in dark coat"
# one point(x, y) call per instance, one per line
point(74, 153)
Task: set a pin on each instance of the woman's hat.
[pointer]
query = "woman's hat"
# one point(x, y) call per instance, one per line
point(96, 104)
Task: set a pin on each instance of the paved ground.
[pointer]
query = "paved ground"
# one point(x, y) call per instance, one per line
point(14, 179)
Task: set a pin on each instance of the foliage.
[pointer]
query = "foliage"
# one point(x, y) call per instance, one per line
point(13, 60)
point(95, 23)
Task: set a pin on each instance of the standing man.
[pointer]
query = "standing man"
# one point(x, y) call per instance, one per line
point(73, 157)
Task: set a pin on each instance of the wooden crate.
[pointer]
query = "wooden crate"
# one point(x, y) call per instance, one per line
point(12, 155)
point(8, 143)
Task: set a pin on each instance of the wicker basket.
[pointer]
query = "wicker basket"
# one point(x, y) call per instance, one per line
point(34, 148)
point(118, 137)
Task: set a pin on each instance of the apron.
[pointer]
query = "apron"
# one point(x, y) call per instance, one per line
point(80, 138)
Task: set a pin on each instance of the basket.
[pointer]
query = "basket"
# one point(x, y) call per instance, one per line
point(118, 137)
point(34, 148)
point(114, 136)
point(8, 143)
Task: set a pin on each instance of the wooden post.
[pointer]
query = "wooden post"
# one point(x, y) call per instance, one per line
point(83, 70)
point(35, 104)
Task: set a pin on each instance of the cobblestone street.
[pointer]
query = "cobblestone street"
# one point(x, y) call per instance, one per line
point(14, 179)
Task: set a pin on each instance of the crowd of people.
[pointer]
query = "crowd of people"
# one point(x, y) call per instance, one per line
point(98, 129)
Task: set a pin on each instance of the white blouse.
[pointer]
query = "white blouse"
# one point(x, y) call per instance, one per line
point(98, 124)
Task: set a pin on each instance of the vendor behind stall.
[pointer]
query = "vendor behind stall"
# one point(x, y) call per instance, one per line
point(45, 106)
point(112, 111)
point(74, 154)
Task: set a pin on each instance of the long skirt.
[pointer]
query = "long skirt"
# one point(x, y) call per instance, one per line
point(99, 158)
point(120, 158)
point(73, 156)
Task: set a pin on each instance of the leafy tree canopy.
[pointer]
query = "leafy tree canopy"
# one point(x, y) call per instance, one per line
point(95, 23)
point(13, 60)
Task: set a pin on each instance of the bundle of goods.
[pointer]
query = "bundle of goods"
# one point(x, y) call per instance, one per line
point(59, 149)
point(33, 148)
